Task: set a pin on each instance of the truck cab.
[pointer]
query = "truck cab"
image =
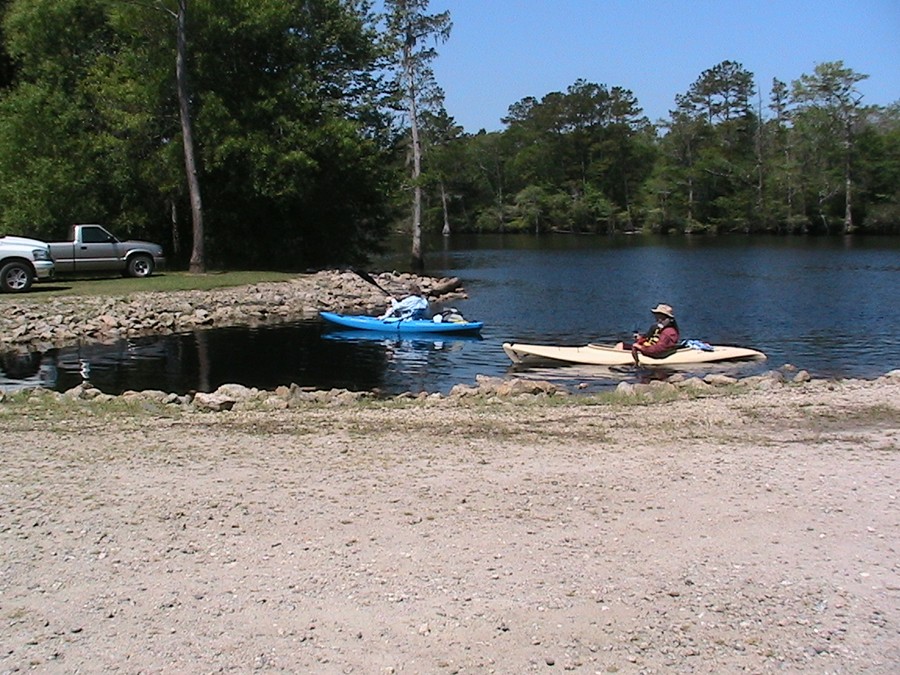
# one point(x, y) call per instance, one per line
point(92, 248)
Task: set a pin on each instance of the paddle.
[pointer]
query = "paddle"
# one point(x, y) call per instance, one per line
point(365, 276)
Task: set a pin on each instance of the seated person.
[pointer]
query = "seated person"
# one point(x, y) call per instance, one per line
point(661, 339)
point(413, 306)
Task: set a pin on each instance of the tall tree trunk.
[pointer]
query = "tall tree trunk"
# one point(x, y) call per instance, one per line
point(690, 197)
point(690, 204)
point(789, 170)
point(848, 184)
point(762, 210)
point(176, 238)
point(198, 255)
point(417, 259)
point(444, 199)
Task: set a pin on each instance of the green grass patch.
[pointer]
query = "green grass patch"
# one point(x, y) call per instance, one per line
point(163, 282)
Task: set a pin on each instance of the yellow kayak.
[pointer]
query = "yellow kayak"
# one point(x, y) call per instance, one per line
point(608, 355)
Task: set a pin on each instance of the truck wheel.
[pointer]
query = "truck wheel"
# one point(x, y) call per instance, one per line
point(16, 277)
point(140, 266)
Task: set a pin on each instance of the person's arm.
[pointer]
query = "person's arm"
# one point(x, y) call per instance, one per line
point(392, 307)
point(637, 339)
point(668, 340)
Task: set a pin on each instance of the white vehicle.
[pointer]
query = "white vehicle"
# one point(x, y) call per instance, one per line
point(23, 260)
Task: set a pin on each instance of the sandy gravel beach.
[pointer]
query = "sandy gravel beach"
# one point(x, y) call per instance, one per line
point(749, 532)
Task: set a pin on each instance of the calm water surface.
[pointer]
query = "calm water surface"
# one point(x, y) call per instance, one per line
point(821, 304)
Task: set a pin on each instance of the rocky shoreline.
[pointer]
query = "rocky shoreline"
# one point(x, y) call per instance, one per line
point(38, 324)
point(238, 398)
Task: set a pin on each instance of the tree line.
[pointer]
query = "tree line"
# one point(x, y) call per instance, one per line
point(810, 158)
point(297, 133)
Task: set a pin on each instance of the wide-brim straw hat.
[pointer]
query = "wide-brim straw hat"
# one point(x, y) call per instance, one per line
point(664, 309)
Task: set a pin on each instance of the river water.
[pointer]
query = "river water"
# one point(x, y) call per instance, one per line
point(822, 304)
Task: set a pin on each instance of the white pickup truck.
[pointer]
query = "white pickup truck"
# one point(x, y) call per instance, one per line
point(91, 249)
point(23, 260)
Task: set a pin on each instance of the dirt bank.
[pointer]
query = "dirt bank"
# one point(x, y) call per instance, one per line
point(746, 532)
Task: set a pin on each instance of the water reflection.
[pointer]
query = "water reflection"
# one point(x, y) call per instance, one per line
point(302, 353)
point(26, 371)
point(140, 363)
point(414, 362)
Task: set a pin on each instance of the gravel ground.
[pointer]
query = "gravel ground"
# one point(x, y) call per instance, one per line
point(744, 532)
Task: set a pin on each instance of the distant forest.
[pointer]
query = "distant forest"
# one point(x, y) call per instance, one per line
point(289, 118)
point(812, 159)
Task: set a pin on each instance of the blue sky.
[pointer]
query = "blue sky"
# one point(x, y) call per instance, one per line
point(501, 51)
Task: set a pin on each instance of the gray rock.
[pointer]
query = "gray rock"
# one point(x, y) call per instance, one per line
point(238, 392)
point(625, 388)
point(463, 390)
point(84, 391)
point(662, 386)
point(212, 402)
point(719, 380)
point(151, 395)
point(693, 383)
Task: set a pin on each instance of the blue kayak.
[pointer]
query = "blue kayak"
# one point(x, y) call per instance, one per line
point(401, 325)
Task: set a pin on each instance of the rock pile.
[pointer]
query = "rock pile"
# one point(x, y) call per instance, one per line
point(237, 398)
point(40, 324)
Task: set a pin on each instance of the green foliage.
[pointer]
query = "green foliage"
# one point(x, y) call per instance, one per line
point(585, 160)
point(304, 145)
point(878, 177)
point(293, 143)
point(531, 210)
point(572, 161)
